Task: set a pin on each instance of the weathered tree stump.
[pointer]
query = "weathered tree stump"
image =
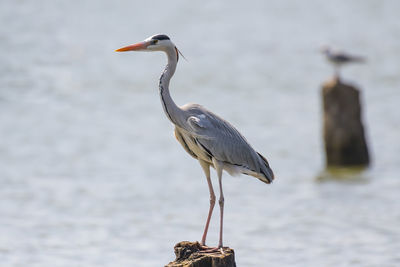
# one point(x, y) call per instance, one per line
point(189, 254)
point(344, 136)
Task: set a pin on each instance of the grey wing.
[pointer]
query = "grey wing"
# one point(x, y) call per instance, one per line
point(342, 57)
point(223, 142)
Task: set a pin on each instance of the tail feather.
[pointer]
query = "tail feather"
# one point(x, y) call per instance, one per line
point(266, 170)
point(358, 59)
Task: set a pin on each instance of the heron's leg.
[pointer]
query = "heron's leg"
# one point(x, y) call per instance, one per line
point(219, 167)
point(206, 169)
point(337, 76)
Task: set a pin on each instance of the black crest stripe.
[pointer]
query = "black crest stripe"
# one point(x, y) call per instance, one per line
point(160, 37)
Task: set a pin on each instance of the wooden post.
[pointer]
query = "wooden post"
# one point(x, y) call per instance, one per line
point(189, 254)
point(344, 136)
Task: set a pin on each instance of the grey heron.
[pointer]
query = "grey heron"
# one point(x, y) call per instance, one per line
point(338, 58)
point(211, 140)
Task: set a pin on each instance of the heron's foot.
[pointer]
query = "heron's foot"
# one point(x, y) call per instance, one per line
point(207, 249)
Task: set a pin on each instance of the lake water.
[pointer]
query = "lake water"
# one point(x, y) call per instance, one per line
point(91, 175)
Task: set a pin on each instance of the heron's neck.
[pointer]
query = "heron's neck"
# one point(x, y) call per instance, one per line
point(173, 112)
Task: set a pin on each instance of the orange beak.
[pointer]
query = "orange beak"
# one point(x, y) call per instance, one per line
point(134, 47)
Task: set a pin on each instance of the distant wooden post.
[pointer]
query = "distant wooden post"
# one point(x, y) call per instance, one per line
point(189, 254)
point(344, 136)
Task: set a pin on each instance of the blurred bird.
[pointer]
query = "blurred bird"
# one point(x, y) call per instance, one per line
point(208, 138)
point(338, 58)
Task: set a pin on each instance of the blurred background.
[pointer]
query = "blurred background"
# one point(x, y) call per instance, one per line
point(91, 175)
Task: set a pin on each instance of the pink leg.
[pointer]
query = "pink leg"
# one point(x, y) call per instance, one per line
point(218, 168)
point(206, 169)
point(221, 207)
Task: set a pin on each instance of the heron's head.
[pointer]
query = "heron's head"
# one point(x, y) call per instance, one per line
point(158, 42)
